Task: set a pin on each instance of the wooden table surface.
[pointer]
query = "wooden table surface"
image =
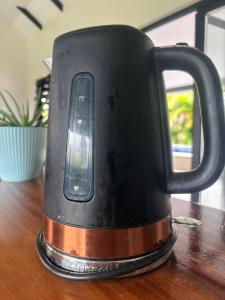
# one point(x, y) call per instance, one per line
point(196, 269)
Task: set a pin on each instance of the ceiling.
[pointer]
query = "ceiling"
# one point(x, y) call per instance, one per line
point(8, 10)
point(135, 12)
point(43, 10)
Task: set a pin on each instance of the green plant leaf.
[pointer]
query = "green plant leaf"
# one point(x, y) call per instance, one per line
point(36, 114)
point(8, 117)
point(25, 120)
point(28, 113)
point(13, 116)
point(45, 123)
point(15, 103)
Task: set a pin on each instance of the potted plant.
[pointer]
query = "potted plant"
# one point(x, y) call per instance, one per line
point(22, 140)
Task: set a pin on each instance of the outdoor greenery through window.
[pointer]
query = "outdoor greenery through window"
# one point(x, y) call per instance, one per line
point(180, 108)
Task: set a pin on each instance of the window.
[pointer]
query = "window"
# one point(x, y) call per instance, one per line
point(201, 25)
point(215, 48)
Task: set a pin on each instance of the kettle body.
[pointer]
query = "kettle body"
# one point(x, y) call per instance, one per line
point(108, 169)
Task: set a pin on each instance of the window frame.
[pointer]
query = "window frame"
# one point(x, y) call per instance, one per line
point(201, 8)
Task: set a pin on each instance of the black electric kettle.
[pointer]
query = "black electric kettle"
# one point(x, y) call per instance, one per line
point(109, 175)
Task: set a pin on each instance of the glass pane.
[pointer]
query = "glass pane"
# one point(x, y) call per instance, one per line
point(215, 49)
point(179, 30)
point(180, 109)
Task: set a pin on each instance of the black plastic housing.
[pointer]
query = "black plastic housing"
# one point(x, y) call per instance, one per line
point(132, 171)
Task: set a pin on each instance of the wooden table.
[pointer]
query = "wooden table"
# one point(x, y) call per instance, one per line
point(196, 269)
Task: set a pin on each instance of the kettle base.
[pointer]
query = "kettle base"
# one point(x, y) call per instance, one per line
point(71, 267)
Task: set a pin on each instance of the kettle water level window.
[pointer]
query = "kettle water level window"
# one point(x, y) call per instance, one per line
point(78, 178)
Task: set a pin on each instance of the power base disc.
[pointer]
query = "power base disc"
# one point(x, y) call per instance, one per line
point(77, 268)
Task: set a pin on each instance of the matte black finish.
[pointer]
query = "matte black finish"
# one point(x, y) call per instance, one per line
point(131, 161)
point(209, 88)
point(30, 16)
point(58, 4)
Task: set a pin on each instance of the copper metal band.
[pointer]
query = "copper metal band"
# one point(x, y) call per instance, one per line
point(106, 243)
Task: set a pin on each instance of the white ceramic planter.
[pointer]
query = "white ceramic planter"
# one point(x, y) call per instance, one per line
point(22, 152)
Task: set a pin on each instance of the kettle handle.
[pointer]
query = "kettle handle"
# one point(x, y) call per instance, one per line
point(203, 71)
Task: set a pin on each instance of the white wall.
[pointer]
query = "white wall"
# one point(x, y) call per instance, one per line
point(13, 62)
point(84, 13)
